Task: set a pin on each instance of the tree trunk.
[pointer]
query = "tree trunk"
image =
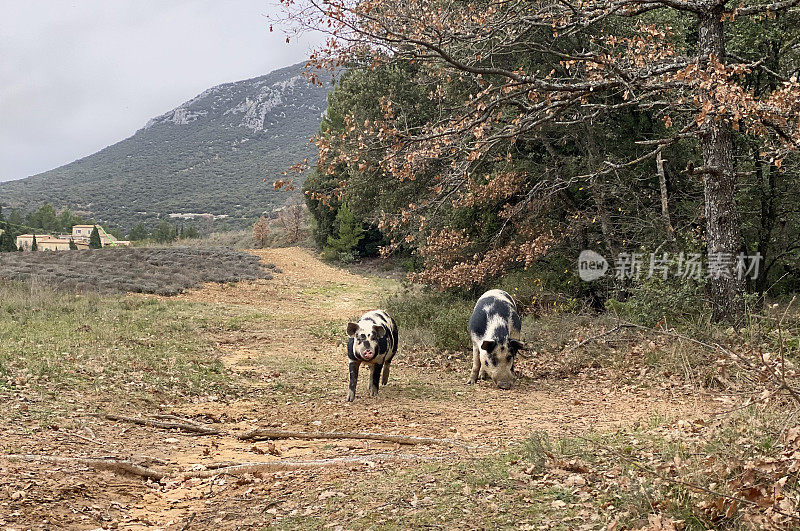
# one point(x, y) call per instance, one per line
point(719, 181)
point(766, 181)
point(662, 182)
point(598, 190)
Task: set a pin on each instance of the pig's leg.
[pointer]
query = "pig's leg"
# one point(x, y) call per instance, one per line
point(476, 364)
point(374, 378)
point(385, 374)
point(351, 393)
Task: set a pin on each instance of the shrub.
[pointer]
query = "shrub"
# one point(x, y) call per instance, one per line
point(677, 300)
point(439, 318)
point(261, 232)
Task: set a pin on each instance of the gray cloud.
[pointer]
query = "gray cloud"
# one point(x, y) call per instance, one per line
point(77, 76)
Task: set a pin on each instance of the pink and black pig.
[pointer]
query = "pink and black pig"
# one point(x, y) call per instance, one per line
point(373, 341)
point(495, 329)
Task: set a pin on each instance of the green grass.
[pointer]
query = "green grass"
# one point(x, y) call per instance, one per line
point(245, 321)
point(115, 348)
point(329, 331)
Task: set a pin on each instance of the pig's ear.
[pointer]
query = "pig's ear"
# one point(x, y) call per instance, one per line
point(379, 331)
point(352, 328)
point(488, 346)
point(516, 345)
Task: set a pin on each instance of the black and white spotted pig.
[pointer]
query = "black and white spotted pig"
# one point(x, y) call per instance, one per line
point(495, 329)
point(373, 340)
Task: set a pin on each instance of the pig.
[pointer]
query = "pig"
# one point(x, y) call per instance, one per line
point(495, 329)
point(373, 340)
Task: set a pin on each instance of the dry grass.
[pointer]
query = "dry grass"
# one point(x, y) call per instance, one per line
point(63, 350)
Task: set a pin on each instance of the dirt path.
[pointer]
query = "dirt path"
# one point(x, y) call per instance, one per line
point(286, 351)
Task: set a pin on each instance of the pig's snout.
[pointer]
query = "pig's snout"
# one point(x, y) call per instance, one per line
point(505, 384)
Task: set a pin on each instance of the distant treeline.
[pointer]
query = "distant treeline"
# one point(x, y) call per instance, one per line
point(164, 232)
point(48, 220)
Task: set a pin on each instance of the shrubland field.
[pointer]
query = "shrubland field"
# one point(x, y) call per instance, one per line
point(157, 270)
point(611, 425)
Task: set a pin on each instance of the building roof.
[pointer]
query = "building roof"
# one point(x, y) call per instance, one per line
point(83, 226)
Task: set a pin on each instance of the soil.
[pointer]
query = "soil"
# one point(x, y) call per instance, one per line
point(288, 362)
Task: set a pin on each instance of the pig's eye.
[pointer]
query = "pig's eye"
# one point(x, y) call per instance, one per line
point(362, 337)
point(510, 357)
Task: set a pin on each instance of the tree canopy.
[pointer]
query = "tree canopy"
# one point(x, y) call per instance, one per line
point(511, 131)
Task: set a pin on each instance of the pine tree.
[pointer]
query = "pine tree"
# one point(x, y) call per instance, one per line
point(7, 244)
point(94, 239)
point(138, 232)
point(6, 238)
point(350, 231)
point(72, 245)
point(34, 245)
point(164, 232)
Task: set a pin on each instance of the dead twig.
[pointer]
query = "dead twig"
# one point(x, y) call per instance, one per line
point(93, 441)
point(598, 336)
point(266, 434)
point(114, 465)
point(164, 416)
point(183, 426)
point(285, 465)
point(188, 522)
point(222, 464)
point(715, 346)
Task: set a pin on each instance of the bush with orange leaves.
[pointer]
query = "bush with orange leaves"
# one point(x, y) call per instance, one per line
point(449, 264)
point(261, 231)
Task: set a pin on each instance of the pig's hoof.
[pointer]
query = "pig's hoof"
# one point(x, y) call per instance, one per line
point(373, 392)
point(471, 380)
point(351, 396)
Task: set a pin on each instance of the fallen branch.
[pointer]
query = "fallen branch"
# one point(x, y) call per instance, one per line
point(183, 426)
point(284, 465)
point(264, 434)
point(114, 465)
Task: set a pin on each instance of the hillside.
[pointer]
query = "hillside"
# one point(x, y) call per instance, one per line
point(209, 155)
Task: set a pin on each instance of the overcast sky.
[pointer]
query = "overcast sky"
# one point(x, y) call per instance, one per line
point(76, 76)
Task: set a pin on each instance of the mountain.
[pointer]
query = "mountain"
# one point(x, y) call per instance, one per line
point(207, 156)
